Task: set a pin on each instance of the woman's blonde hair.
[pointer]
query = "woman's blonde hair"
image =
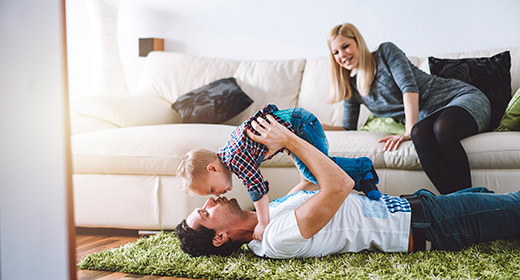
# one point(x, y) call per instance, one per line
point(340, 77)
point(194, 164)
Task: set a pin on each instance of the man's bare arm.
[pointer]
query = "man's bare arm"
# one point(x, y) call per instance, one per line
point(335, 184)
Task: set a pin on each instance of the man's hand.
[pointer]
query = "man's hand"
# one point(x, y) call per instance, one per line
point(258, 234)
point(272, 134)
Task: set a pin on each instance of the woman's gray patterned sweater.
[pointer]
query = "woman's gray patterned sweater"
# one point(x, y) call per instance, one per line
point(396, 75)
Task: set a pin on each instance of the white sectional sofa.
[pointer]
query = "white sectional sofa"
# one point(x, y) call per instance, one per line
point(126, 148)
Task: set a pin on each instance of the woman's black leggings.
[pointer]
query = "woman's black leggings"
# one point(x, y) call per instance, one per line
point(437, 141)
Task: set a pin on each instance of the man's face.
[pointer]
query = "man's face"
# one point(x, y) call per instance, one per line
point(216, 214)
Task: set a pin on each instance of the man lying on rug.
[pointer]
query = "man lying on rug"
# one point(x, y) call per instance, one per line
point(316, 221)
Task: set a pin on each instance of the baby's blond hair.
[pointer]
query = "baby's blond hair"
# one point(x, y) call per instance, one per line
point(194, 164)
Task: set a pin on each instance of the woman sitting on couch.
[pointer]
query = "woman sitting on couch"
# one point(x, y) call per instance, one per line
point(437, 112)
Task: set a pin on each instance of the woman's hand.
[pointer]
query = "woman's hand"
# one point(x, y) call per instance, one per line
point(411, 113)
point(392, 142)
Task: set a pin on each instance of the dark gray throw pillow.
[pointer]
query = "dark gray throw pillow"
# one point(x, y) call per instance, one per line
point(489, 74)
point(216, 102)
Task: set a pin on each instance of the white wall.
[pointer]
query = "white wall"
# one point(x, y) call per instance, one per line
point(274, 29)
point(34, 170)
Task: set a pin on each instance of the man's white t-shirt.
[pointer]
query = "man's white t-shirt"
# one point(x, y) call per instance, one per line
point(360, 224)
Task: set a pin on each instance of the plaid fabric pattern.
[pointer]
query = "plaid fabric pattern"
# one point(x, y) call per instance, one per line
point(243, 156)
point(396, 204)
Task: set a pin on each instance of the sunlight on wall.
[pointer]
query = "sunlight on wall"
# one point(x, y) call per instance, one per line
point(273, 29)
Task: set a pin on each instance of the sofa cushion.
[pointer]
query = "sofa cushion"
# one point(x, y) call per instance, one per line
point(489, 74)
point(515, 61)
point(314, 92)
point(511, 119)
point(269, 82)
point(170, 75)
point(157, 150)
point(355, 144)
point(150, 150)
point(498, 150)
point(215, 102)
point(489, 150)
point(126, 110)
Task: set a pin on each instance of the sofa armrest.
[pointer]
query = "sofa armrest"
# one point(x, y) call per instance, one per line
point(127, 110)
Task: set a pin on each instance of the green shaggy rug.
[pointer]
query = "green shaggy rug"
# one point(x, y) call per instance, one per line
point(161, 255)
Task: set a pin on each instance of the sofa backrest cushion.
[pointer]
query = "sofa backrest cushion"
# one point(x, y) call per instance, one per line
point(515, 62)
point(314, 92)
point(170, 75)
point(286, 83)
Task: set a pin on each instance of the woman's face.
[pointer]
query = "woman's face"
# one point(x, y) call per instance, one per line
point(345, 51)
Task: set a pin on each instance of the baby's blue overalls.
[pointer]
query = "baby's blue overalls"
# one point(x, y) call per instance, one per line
point(308, 127)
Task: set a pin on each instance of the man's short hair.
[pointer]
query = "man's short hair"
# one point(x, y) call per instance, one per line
point(199, 241)
point(194, 164)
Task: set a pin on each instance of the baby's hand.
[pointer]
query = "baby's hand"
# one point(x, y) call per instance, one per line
point(258, 234)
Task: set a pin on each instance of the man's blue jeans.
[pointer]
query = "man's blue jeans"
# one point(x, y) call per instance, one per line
point(469, 216)
point(308, 127)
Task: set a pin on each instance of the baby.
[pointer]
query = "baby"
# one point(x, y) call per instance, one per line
point(208, 173)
